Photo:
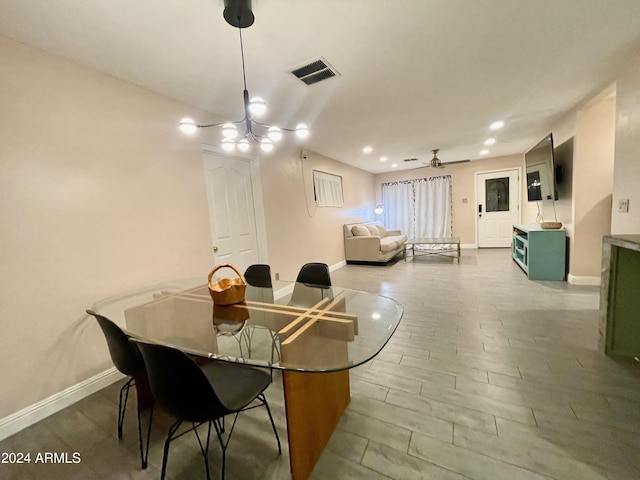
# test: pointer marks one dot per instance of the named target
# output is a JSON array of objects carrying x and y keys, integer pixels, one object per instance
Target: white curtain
[
  {"x": 420, "y": 208},
  {"x": 397, "y": 198},
  {"x": 328, "y": 189},
  {"x": 433, "y": 207}
]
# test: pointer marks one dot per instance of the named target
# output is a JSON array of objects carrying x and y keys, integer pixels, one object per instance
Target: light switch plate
[{"x": 623, "y": 205}]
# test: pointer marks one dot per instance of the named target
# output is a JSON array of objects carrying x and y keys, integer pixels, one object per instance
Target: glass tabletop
[{"x": 297, "y": 327}]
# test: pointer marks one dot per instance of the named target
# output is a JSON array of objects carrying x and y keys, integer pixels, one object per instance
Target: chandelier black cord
[{"x": 244, "y": 18}]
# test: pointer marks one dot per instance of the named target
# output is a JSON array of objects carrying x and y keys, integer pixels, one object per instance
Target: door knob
[{"x": 215, "y": 249}]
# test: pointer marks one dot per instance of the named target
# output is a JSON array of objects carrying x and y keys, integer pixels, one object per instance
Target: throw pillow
[
  {"x": 360, "y": 231},
  {"x": 382, "y": 230},
  {"x": 374, "y": 230}
]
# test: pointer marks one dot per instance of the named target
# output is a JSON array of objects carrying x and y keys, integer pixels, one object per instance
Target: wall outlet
[
  {"x": 623, "y": 205},
  {"x": 277, "y": 276}
]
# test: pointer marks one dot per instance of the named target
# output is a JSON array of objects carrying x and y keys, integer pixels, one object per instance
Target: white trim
[
  {"x": 34, "y": 413},
  {"x": 583, "y": 280},
  {"x": 283, "y": 292},
  {"x": 469, "y": 246},
  {"x": 258, "y": 207},
  {"x": 338, "y": 265}
]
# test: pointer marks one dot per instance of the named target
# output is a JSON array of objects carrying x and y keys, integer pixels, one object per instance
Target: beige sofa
[{"x": 370, "y": 242}]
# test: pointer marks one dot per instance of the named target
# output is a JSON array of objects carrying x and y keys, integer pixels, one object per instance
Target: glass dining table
[{"x": 313, "y": 334}]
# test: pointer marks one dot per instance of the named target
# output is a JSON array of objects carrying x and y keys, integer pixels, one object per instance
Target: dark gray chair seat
[{"x": 202, "y": 393}]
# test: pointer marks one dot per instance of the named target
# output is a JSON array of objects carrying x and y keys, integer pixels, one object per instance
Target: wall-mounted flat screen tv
[{"x": 539, "y": 164}]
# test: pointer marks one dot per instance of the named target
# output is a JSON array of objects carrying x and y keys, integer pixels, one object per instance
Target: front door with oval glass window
[{"x": 497, "y": 206}]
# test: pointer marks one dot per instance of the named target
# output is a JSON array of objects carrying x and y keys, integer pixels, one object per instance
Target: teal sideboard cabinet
[
  {"x": 620, "y": 296},
  {"x": 540, "y": 253}
]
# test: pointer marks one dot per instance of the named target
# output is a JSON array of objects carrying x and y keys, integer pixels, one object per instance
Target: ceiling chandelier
[{"x": 237, "y": 13}]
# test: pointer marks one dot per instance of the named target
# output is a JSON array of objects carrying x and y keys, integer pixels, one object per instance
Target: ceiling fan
[{"x": 435, "y": 162}]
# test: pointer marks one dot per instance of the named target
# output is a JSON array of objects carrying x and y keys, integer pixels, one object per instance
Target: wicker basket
[
  {"x": 227, "y": 291},
  {"x": 551, "y": 225}
]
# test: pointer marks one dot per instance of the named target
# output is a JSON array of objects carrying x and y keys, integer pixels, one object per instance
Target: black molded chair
[
  {"x": 202, "y": 393},
  {"x": 258, "y": 275},
  {"x": 316, "y": 274},
  {"x": 312, "y": 285},
  {"x": 127, "y": 359}
]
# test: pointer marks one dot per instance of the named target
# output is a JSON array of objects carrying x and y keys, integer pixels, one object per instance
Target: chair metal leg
[
  {"x": 218, "y": 423},
  {"x": 273, "y": 425},
  {"x": 165, "y": 456},
  {"x": 122, "y": 406},
  {"x": 223, "y": 445},
  {"x": 144, "y": 451},
  {"x": 205, "y": 449}
]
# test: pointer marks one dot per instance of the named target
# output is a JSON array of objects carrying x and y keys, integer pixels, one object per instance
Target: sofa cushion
[
  {"x": 373, "y": 229},
  {"x": 360, "y": 231},
  {"x": 382, "y": 230},
  {"x": 387, "y": 244}
]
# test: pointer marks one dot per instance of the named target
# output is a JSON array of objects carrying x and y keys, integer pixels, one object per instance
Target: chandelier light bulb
[
  {"x": 245, "y": 132},
  {"x": 229, "y": 130},
  {"x": 302, "y": 130},
  {"x": 188, "y": 126},
  {"x": 274, "y": 133},
  {"x": 243, "y": 145},
  {"x": 266, "y": 145},
  {"x": 257, "y": 106},
  {"x": 228, "y": 145}
]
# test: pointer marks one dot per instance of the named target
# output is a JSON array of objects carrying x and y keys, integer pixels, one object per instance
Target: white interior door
[
  {"x": 231, "y": 210},
  {"x": 498, "y": 207}
]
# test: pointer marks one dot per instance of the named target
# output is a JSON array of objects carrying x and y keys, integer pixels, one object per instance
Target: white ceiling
[{"x": 414, "y": 74}]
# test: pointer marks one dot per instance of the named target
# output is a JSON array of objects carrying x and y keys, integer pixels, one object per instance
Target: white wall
[
  {"x": 626, "y": 171},
  {"x": 298, "y": 231},
  {"x": 99, "y": 192}
]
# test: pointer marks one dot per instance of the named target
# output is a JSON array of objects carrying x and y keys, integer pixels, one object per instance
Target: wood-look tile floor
[{"x": 489, "y": 376}]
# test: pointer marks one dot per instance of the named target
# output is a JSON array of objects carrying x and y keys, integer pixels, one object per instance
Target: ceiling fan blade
[{"x": 456, "y": 161}]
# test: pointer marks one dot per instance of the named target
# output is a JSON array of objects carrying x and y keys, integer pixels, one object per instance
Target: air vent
[
  {"x": 315, "y": 71},
  {"x": 410, "y": 160}
]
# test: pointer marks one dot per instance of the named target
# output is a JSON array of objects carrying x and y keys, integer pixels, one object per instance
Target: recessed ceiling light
[
  {"x": 394, "y": 165},
  {"x": 383, "y": 159},
  {"x": 367, "y": 149},
  {"x": 490, "y": 141},
  {"x": 496, "y": 125},
  {"x": 484, "y": 152}
]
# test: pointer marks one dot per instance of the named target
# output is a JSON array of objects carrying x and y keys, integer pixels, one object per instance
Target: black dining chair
[
  {"x": 197, "y": 394},
  {"x": 316, "y": 274},
  {"x": 258, "y": 275},
  {"x": 127, "y": 359},
  {"x": 312, "y": 285}
]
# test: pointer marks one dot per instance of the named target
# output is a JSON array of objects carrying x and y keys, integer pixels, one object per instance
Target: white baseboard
[
  {"x": 338, "y": 265},
  {"x": 577, "y": 280},
  {"x": 283, "y": 292},
  {"x": 468, "y": 245},
  {"x": 34, "y": 413}
]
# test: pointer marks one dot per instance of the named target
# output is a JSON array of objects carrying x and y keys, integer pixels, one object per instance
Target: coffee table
[{"x": 434, "y": 249}]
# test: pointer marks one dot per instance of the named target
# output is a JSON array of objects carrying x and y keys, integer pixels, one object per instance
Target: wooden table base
[{"x": 314, "y": 403}]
